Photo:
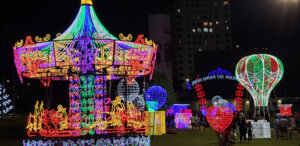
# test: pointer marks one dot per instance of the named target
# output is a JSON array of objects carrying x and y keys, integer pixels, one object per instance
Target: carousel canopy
[{"x": 86, "y": 47}]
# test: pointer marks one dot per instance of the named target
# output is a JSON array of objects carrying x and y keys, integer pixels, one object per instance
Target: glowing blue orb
[{"x": 156, "y": 97}]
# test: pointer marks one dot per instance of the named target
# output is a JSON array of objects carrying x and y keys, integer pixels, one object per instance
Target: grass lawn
[{"x": 209, "y": 138}]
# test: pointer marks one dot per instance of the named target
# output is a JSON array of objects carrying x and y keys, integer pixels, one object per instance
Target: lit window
[
  {"x": 225, "y": 3},
  {"x": 194, "y": 30},
  {"x": 210, "y": 30},
  {"x": 179, "y": 42},
  {"x": 200, "y": 49},
  {"x": 199, "y": 30},
  {"x": 217, "y": 22},
  {"x": 227, "y": 28},
  {"x": 205, "y": 29},
  {"x": 205, "y": 23},
  {"x": 210, "y": 23},
  {"x": 178, "y": 10}
]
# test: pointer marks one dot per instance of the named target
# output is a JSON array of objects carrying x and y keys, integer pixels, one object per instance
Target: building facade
[{"x": 198, "y": 26}]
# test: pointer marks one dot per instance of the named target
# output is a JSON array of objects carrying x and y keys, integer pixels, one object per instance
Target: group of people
[
  {"x": 197, "y": 122},
  {"x": 229, "y": 135},
  {"x": 170, "y": 120},
  {"x": 284, "y": 127}
]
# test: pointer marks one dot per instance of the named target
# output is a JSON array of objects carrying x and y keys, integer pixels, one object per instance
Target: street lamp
[
  {"x": 279, "y": 101},
  {"x": 247, "y": 102}
]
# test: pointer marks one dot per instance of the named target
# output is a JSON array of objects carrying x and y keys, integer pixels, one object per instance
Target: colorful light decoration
[
  {"x": 158, "y": 122},
  {"x": 259, "y": 74},
  {"x": 222, "y": 74},
  {"x": 139, "y": 102},
  {"x": 219, "y": 71},
  {"x": 183, "y": 119},
  {"x": 85, "y": 47},
  {"x": 128, "y": 92},
  {"x": 182, "y": 115},
  {"x": 219, "y": 118},
  {"x": 6, "y": 104},
  {"x": 238, "y": 97},
  {"x": 60, "y": 124},
  {"x": 86, "y": 55},
  {"x": 218, "y": 101},
  {"x": 156, "y": 97},
  {"x": 138, "y": 140},
  {"x": 285, "y": 109}
]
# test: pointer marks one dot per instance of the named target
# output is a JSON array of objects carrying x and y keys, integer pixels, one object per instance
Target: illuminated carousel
[{"x": 86, "y": 55}]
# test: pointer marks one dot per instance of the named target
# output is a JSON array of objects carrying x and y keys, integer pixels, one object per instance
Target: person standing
[
  {"x": 292, "y": 127},
  {"x": 284, "y": 123},
  {"x": 193, "y": 122},
  {"x": 276, "y": 127},
  {"x": 234, "y": 125},
  {"x": 197, "y": 120},
  {"x": 249, "y": 130},
  {"x": 243, "y": 129},
  {"x": 172, "y": 120}
]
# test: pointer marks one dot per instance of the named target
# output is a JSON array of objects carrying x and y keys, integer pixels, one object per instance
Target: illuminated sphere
[
  {"x": 132, "y": 90},
  {"x": 156, "y": 97},
  {"x": 259, "y": 74},
  {"x": 139, "y": 102},
  {"x": 218, "y": 101}
]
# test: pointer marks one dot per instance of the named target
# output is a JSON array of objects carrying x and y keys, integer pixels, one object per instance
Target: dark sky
[{"x": 255, "y": 23}]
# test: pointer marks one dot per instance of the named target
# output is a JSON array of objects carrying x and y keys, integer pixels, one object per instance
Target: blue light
[
  {"x": 189, "y": 85},
  {"x": 231, "y": 106},
  {"x": 156, "y": 97},
  {"x": 219, "y": 71}
]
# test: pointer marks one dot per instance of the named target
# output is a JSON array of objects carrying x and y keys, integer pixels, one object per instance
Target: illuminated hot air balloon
[{"x": 259, "y": 74}]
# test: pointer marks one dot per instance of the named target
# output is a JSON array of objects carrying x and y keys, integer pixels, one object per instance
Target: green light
[{"x": 259, "y": 74}]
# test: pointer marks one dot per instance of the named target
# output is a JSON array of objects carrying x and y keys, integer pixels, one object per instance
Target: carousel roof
[
  {"x": 86, "y": 25},
  {"x": 86, "y": 47}
]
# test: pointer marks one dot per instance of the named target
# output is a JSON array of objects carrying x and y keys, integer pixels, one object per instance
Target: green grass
[{"x": 209, "y": 138}]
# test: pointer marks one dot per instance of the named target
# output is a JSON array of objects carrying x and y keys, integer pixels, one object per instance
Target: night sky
[{"x": 255, "y": 24}]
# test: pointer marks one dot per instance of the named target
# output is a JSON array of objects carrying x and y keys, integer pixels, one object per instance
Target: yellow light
[
  {"x": 159, "y": 122},
  {"x": 247, "y": 102},
  {"x": 34, "y": 122},
  {"x": 205, "y": 23},
  {"x": 86, "y": 2},
  {"x": 225, "y": 3},
  {"x": 279, "y": 101}
]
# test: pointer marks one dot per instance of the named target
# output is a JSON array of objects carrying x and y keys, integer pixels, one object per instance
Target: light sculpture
[
  {"x": 218, "y": 101},
  {"x": 156, "y": 97},
  {"x": 128, "y": 92},
  {"x": 6, "y": 103},
  {"x": 86, "y": 55},
  {"x": 183, "y": 120},
  {"x": 139, "y": 102},
  {"x": 58, "y": 123},
  {"x": 285, "y": 109},
  {"x": 85, "y": 47},
  {"x": 259, "y": 74},
  {"x": 156, "y": 125},
  {"x": 219, "y": 118},
  {"x": 138, "y": 140}
]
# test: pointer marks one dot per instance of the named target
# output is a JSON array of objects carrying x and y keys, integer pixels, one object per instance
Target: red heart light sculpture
[{"x": 219, "y": 118}]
